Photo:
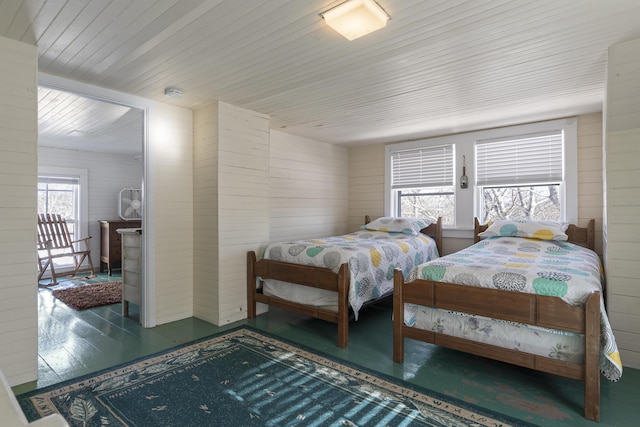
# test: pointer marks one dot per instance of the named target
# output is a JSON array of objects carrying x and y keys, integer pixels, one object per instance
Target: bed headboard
[
  {"x": 477, "y": 229},
  {"x": 583, "y": 236},
  {"x": 434, "y": 230}
]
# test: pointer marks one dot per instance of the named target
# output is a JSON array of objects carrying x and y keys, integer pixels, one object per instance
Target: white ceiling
[
  {"x": 72, "y": 122},
  {"x": 439, "y": 67}
]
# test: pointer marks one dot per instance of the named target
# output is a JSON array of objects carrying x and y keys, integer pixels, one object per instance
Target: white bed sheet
[
  {"x": 301, "y": 294},
  {"x": 560, "y": 345}
]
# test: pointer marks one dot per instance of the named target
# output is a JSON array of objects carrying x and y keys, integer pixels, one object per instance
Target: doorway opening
[{"x": 89, "y": 150}]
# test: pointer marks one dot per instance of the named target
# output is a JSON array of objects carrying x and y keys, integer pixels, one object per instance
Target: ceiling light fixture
[
  {"x": 173, "y": 92},
  {"x": 355, "y": 18}
]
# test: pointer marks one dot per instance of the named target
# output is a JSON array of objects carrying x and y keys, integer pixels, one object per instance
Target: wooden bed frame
[
  {"x": 315, "y": 277},
  {"x": 545, "y": 311}
]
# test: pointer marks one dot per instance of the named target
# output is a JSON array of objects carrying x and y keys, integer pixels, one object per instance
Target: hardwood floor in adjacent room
[{"x": 74, "y": 343}]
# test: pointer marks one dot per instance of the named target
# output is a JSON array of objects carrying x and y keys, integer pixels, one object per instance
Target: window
[
  {"x": 422, "y": 183},
  {"x": 520, "y": 177},
  {"x": 517, "y": 171},
  {"x": 60, "y": 195}
]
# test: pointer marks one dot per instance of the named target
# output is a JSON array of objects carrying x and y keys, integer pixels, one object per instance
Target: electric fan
[{"x": 130, "y": 201}]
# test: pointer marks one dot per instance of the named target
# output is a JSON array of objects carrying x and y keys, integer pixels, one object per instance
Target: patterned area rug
[
  {"x": 249, "y": 378},
  {"x": 88, "y": 296}
]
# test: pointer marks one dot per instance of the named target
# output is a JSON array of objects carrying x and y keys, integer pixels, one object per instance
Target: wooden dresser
[{"x": 111, "y": 243}]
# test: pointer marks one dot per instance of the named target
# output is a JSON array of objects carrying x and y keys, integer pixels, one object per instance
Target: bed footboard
[
  {"x": 315, "y": 277},
  {"x": 545, "y": 311}
]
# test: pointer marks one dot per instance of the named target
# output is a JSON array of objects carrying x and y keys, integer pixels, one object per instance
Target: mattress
[
  {"x": 372, "y": 257},
  {"x": 544, "y": 267}
]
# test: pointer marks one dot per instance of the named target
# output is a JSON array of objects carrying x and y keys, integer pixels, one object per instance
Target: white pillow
[
  {"x": 398, "y": 225},
  {"x": 534, "y": 229}
]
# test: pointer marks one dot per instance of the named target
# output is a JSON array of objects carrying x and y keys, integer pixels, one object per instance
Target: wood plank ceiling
[{"x": 439, "y": 67}]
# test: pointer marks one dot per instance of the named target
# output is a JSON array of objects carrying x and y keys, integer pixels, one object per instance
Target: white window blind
[
  {"x": 422, "y": 167},
  {"x": 527, "y": 159}
]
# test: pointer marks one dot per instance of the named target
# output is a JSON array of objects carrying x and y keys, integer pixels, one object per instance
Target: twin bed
[
  {"x": 526, "y": 296},
  {"x": 341, "y": 274},
  {"x": 534, "y": 302}
]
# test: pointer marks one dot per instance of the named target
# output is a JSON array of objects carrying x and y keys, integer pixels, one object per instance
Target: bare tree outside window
[
  {"x": 527, "y": 202},
  {"x": 428, "y": 203},
  {"x": 58, "y": 198}
]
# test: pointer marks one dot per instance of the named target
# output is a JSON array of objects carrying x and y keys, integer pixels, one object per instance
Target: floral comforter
[
  {"x": 553, "y": 268},
  {"x": 372, "y": 256}
]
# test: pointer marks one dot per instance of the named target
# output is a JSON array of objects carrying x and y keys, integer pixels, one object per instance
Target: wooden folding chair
[{"x": 54, "y": 242}]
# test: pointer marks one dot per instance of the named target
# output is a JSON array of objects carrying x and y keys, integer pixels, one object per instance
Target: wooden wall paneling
[
  {"x": 366, "y": 183},
  {"x": 622, "y": 208},
  {"x": 243, "y": 200},
  {"x": 205, "y": 213},
  {"x": 170, "y": 207},
  {"x": 18, "y": 166},
  {"x": 308, "y": 188}
]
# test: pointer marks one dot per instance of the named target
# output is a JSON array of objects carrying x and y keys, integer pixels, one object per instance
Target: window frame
[
  {"x": 82, "y": 175},
  {"x": 468, "y": 203},
  {"x": 532, "y": 160},
  {"x": 409, "y": 181},
  {"x": 74, "y": 182},
  {"x": 398, "y": 195}
]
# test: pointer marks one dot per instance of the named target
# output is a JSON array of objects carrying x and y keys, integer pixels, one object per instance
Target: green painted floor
[{"x": 73, "y": 343}]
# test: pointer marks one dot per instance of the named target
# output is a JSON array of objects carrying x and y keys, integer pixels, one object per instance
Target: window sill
[{"x": 457, "y": 233}]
